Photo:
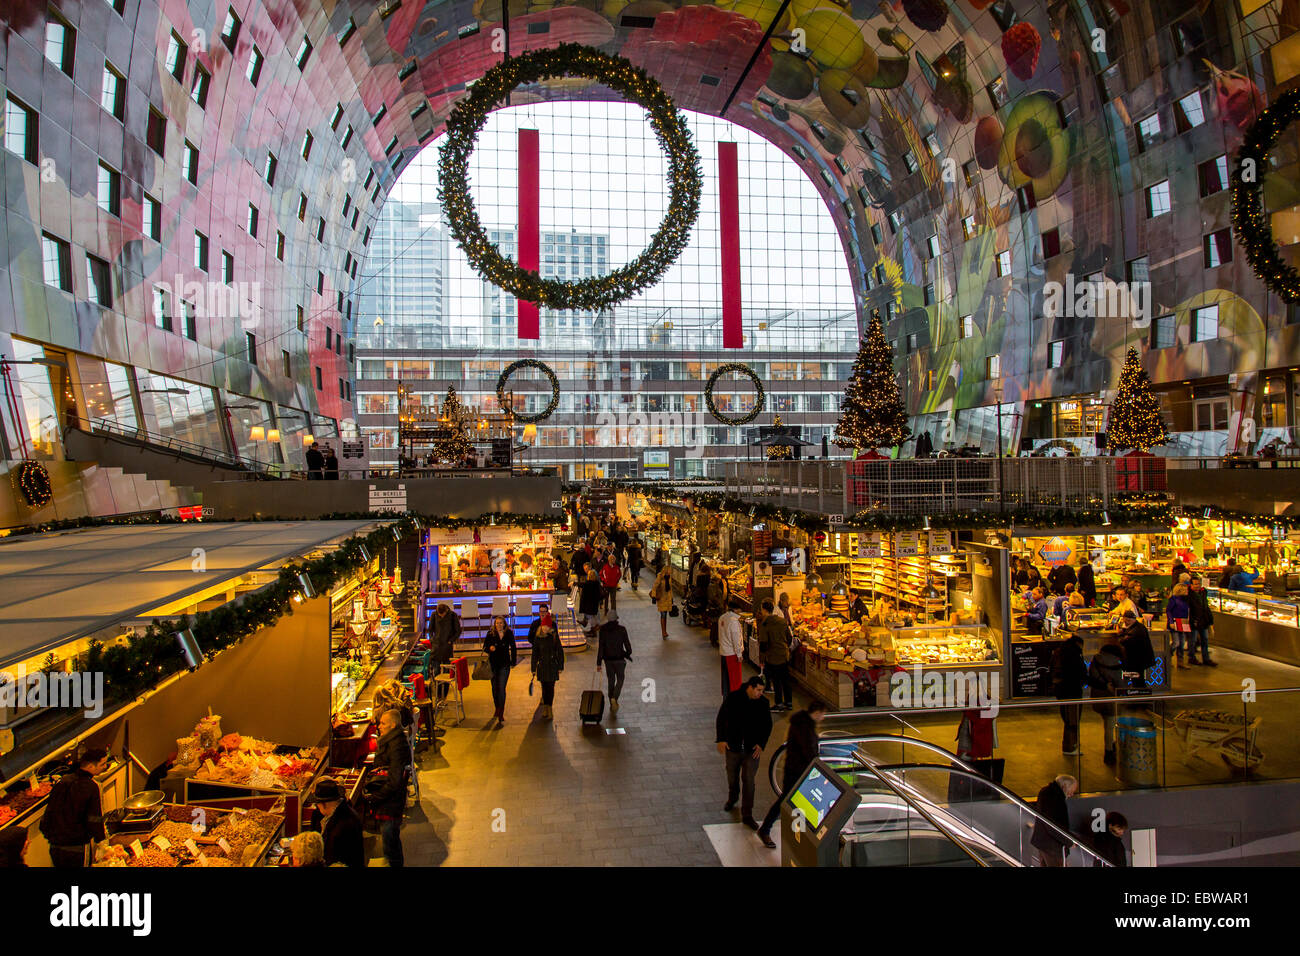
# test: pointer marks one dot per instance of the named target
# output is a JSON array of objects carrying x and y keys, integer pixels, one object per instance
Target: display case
[
  {"x": 1257, "y": 625},
  {"x": 944, "y": 645}
]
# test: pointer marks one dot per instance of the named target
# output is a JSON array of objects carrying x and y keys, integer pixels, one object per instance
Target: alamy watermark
[
  {"x": 653, "y": 429},
  {"x": 216, "y": 300},
  {"x": 74, "y": 690},
  {"x": 928, "y": 689},
  {"x": 1102, "y": 299}
]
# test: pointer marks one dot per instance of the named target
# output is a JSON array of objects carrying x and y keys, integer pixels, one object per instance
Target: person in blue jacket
[
  {"x": 1037, "y": 612},
  {"x": 1242, "y": 580}
]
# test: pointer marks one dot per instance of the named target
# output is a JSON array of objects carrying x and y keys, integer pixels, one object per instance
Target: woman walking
[
  {"x": 547, "y": 663},
  {"x": 589, "y": 602},
  {"x": 1177, "y": 613},
  {"x": 502, "y": 654},
  {"x": 662, "y": 595}
]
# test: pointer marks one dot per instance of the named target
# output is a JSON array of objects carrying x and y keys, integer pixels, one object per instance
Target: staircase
[{"x": 87, "y": 489}]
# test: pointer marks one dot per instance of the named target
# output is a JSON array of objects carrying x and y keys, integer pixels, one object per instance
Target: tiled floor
[{"x": 555, "y": 792}]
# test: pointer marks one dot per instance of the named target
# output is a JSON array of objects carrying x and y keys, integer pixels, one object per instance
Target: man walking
[
  {"x": 1200, "y": 619},
  {"x": 731, "y": 650},
  {"x": 614, "y": 649},
  {"x": 800, "y": 751},
  {"x": 774, "y": 641},
  {"x": 1069, "y": 674},
  {"x": 744, "y": 723}
]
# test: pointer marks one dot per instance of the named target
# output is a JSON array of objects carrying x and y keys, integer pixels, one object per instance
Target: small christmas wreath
[
  {"x": 545, "y": 370},
  {"x": 1249, "y": 219},
  {"x": 636, "y": 86},
  {"x": 760, "y": 399},
  {"x": 34, "y": 484}
]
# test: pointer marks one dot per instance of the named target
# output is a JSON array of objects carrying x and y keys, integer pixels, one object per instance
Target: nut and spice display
[
  {"x": 21, "y": 799},
  {"x": 195, "y": 836},
  {"x": 244, "y": 761}
]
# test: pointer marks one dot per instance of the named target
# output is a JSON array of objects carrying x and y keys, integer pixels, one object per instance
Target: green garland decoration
[
  {"x": 545, "y": 370},
  {"x": 636, "y": 86},
  {"x": 34, "y": 484},
  {"x": 760, "y": 399},
  {"x": 1249, "y": 220}
]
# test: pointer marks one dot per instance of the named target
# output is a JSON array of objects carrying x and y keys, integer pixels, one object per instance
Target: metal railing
[{"x": 180, "y": 446}]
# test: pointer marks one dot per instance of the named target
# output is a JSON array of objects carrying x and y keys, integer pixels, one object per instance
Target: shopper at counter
[
  {"x": 1135, "y": 639},
  {"x": 74, "y": 816},
  {"x": 1061, "y": 577},
  {"x": 731, "y": 650},
  {"x": 743, "y": 726},
  {"x": 1052, "y": 805},
  {"x": 1177, "y": 611},
  {"x": 1087, "y": 582},
  {"x": 774, "y": 645},
  {"x": 801, "y": 749},
  {"x": 1105, "y": 678},
  {"x": 1201, "y": 620},
  {"x": 615, "y": 650},
  {"x": 1069, "y": 674},
  {"x": 1120, "y": 604},
  {"x": 339, "y": 825},
  {"x": 14, "y": 842},
  {"x": 502, "y": 654},
  {"x": 1243, "y": 580},
  {"x": 386, "y": 793},
  {"x": 1037, "y": 612}
]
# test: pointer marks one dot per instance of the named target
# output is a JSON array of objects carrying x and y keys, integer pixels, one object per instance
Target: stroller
[{"x": 696, "y": 610}]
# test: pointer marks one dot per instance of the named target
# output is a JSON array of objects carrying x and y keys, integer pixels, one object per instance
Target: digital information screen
[{"x": 815, "y": 796}]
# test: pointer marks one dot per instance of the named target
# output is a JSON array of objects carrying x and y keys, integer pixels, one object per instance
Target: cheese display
[{"x": 840, "y": 640}]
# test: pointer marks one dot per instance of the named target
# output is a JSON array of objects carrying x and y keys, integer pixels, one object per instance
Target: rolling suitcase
[{"x": 591, "y": 709}]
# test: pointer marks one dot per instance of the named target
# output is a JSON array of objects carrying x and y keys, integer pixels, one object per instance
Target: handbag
[
  {"x": 482, "y": 670},
  {"x": 673, "y": 611}
]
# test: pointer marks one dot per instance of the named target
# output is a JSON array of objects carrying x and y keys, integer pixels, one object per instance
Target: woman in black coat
[
  {"x": 1087, "y": 583},
  {"x": 502, "y": 654},
  {"x": 589, "y": 599}
]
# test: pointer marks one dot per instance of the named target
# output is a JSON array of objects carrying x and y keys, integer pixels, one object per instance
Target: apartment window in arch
[
  {"x": 1218, "y": 248},
  {"x": 20, "y": 130},
  {"x": 199, "y": 86},
  {"x": 251, "y": 341},
  {"x": 1056, "y": 354},
  {"x": 112, "y": 95},
  {"x": 177, "y": 51},
  {"x": 56, "y": 260},
  {"x": 993, "y": 367},
  {"x": 1189, "y": 112},
  {"x": 255, "y": 61},
  {"x": 200, "y": 251},
  {"x": 1004, "y": 263},
  {"x": 1158, "y": 201},
  {"x": 99, "y": 281},
  {"x": 109, "y": 190},
  {"x": 230, "y": 29},
  {"x": 1205, "y": 323},
  {"x": 191, "y": 161},
  {"x": 1212, "y": 175},
  {"x": 161, "y": 313},
  {"x": 966, "y": 326},
  {"x": 60, "y": 43}
]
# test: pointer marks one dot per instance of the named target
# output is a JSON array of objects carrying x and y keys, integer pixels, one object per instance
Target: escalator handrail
[
  {"x": 1001, "y": 790},
  {"x": 939, "y": 827}
]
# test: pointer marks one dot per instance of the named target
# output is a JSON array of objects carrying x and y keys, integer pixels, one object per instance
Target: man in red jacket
[{"x": 610, "y": 575}]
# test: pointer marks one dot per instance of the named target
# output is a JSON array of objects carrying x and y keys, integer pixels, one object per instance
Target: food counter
[
  {"x": 1254, "y": 624},
  {"x": 1031, "y": 654},
  {"x": 194, "y": 835}
]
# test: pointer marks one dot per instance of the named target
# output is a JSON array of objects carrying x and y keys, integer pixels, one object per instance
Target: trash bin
[{"x": 1135, "y": 744}]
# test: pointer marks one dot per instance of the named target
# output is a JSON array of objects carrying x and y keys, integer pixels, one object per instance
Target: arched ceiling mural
[{"x": 970, "y": 151}]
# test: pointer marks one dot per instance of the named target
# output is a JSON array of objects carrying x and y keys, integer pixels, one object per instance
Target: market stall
[{"x": 153, "y": 834}]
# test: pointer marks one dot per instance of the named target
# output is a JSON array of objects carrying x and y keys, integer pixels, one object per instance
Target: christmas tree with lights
[
  {"x": 452, "y": 445},
  {"x": 1135, "y": 420},
  {"x": 872, "y": 414}
]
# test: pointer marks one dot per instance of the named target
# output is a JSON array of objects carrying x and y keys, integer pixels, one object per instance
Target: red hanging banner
[
  {"x": 733, "y": 336},
  {"x": 530, "y": 224}
]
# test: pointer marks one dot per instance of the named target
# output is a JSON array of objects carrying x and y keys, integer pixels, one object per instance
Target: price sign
[
  {"x": 162, "y": 843},
  {"x": 137, "y": 849},
  {"x": 225, "y": 847},
  {"x": 869, "y": 545},
  {"x": 907, "y": 544},
  {"x": 192, "y": 847},
  {"x": 941, "y": 542},
  {"x": 209, "y": 766}
]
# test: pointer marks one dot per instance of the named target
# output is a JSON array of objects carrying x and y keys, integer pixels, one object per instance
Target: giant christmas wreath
[
  {"x": 636, "y": 86},
  {"x": 1249, "y": 219},
  {"x": 34, "y": 484},
  {"x": 760, "y": 398},
  {"x": 545, "y": 370}
]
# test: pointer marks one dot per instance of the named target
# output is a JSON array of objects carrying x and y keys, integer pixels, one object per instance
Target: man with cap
[
  {"x": 613, "y": 648},
  {"x": 340, "y": 826}
]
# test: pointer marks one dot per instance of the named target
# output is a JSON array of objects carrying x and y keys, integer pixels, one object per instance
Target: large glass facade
[{"x": 633, "y": 371}]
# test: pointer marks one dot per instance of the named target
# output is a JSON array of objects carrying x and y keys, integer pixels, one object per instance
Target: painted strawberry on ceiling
[{"x": 688, "y": 44}]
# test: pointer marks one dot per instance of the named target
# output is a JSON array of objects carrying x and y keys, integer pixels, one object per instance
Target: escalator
[{"x": 935, "y": 811}]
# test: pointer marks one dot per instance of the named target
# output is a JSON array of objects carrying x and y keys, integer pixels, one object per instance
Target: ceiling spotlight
[
  {"x": 189, "y": 648},
  {"x": 1207, "y": 511},
  {"x": 365, "y": 554},
  {"x": 927, "y": 522},
  {"x": 1105, "y": 518},
  {"x": 308, "y": 590}
]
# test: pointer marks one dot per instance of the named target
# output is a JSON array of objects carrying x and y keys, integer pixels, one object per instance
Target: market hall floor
[{"x": 555, "y": 793}]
